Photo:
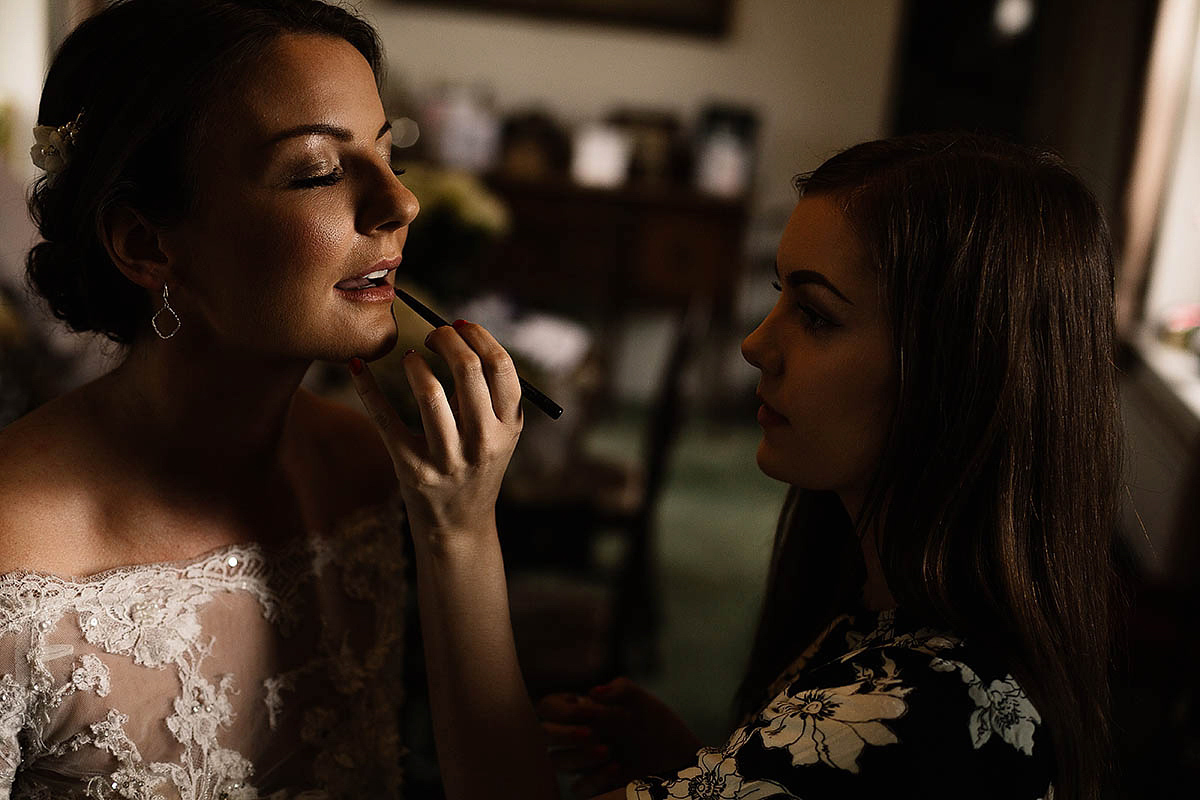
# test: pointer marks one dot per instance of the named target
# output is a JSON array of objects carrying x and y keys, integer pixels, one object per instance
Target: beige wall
[
  {"x": 818, "y": 71},
  {"x": 24, "y": 31}
]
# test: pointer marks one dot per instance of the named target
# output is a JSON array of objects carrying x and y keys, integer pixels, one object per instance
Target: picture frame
[{"x": 704, "y": 18}]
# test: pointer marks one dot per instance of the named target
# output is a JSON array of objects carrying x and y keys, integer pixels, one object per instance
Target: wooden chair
[{"x": 577, "y": 621}]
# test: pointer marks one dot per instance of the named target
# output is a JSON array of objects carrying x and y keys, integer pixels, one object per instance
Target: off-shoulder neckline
[
  {"x": 254, "y": 547},
  {"x": 219, "y": 553}
]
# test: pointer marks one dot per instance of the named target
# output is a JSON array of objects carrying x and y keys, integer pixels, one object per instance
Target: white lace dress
[{"x": 249, "y": 672}]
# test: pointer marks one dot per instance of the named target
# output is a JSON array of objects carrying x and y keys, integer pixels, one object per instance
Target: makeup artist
[
  {"x": 938, "y": 389},
  {"x": 200, "y": 578}
]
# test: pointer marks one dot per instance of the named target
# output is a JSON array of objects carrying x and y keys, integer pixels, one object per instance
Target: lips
[
  {"x": 370, "y": 279},
  {"x": 769, "y": 417}
]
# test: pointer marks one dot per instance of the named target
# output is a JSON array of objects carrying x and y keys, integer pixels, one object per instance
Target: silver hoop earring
[{"x": 166, "y": 306}]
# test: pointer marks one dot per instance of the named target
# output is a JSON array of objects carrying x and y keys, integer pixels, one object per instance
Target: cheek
[
  {"x": 260, "y": 252},
  {"x": 290, "y": 235},
  {"x": 262, "y": 270},
  {"x": 838, "y": 421}
]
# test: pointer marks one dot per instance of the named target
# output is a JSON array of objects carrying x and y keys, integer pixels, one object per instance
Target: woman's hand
[
  {"x": 613, "y": 734},
  {"x": 489, "y": 742},
  {"x": 450, "y": 476}
]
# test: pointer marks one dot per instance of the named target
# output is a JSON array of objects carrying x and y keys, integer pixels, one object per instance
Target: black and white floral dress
[{"x": 878, "y": 708}]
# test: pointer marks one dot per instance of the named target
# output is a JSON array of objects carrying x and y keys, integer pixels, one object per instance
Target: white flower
[
  {"x": 715, "y": 778},
  {"x": 50, "y": 150},
  {"x": 1003, "y": 709},
  {"x": 832, "y": 725},
  {"x": 53, "y": 144}
]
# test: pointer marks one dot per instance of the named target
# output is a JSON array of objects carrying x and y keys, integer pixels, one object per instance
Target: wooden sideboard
[{"x": 600, "y": 253}]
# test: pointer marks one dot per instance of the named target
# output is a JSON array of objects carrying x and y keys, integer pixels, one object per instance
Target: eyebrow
[
  {"x": 802, "y": 277},
  {"x": 323, "y": 129}
]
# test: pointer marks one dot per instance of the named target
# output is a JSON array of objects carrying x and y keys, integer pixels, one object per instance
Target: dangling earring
[{"x": 166, "y": 306}]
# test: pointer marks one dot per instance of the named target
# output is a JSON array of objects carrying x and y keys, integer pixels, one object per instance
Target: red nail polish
[
  {"x": 458, "y": 323},
  {"x": 356, "y": 366},
  {"x": 409, "y": 351}
]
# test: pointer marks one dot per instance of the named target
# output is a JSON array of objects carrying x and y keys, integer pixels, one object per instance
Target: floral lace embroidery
[
  {"x": 162, "y": 629},
  {"x": 91, "y": 674}
]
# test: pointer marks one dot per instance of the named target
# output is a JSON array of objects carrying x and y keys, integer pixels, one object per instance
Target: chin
[
  {"x": 792, "y": 468},
  {"x": 381, "y": 348},
  {"x": 366, "y": 347},
  {"x": 768, "y": 464}
]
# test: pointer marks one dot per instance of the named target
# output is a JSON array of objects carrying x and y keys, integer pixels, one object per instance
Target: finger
[
  {"x": 579, "y": 759},
  {"x": 498, "y": 369},
  {"x": 617, "y": 691},
  {"x": 405, "y": 449},
  {"x": 565, "y": 707},
  {"x": 442, "y": 440},
  {"x": 559, "y": 735},
  {"x": 470, "y": 386}
]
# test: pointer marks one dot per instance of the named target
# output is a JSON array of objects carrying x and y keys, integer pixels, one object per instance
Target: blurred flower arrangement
[
  {"x": 6, "y": 127},
  {"x": 450, "y": 238},
  {"x": 459, "y": 222}
]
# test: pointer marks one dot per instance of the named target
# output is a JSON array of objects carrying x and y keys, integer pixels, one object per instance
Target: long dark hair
[
  {"x": 146, "y": 75},
  {"x": 996, "y": 497}
]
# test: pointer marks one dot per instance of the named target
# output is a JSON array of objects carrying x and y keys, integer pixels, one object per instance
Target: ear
[{"x": 135, "y": 246}]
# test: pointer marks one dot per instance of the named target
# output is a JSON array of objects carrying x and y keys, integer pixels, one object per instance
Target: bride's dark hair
[
  {"x": 997, "y": 493},
  {"x": 147, "y": 75}
]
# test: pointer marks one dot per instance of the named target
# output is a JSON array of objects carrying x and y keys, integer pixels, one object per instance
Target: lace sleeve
[{"x": 14, "y": 699}]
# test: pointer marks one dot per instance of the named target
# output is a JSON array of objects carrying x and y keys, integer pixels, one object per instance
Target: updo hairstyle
[{"x": 146, "y": 75}]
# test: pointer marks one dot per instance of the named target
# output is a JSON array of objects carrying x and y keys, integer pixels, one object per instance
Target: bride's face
[{"x": 294, "y": 195}]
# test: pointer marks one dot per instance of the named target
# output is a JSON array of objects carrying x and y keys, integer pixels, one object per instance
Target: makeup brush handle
[{"x": 535, "y": 396}]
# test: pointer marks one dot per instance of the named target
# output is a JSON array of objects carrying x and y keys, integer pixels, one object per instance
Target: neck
[
  {"x": 199, "y": 417},
  {"x": 876, "y": 595}
]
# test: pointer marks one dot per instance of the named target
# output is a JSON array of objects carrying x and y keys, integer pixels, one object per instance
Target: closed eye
[{"x": 328, "y": 179}]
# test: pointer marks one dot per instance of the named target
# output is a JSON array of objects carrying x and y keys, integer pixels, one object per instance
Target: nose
[
  {"x": 755, "y": 347},
  {"x": 389, "y": 205}
]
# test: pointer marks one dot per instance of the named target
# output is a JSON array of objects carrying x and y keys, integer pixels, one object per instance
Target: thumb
[{"x": 401, "y": 444}]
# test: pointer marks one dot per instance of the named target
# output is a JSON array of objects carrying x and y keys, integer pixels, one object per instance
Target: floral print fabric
[{"x": 877, "y": 708}]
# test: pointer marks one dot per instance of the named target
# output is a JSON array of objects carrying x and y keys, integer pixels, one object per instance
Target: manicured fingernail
[
  {"x": 409, "y": 351},
  {"x": 458, "y": 323},
  {"x": 356, "y": 366}
]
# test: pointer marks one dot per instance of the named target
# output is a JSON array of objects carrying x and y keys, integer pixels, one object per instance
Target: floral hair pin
[{"x": 53, "y": 144}]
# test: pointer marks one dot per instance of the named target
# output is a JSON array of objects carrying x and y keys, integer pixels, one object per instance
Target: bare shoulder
[
  {"x": 353, "y": 460},
  {"x": 46, "y": 510}
]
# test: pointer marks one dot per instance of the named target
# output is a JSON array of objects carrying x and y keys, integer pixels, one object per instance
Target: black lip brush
[{"x": 530, "y": 392}]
